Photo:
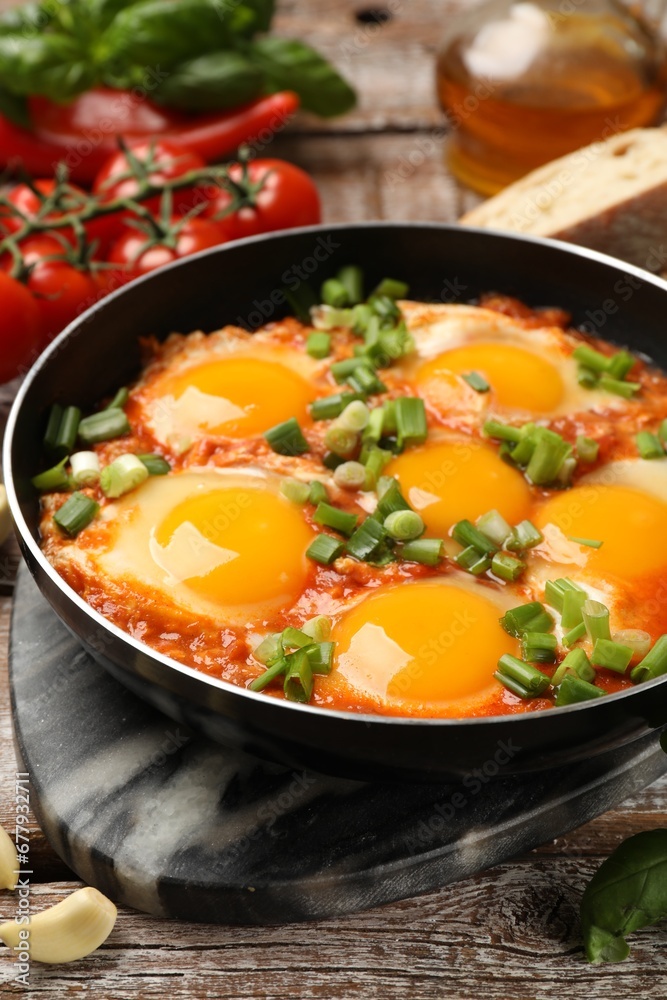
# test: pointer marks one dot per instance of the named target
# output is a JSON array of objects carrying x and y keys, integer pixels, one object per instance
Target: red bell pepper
[{"x": 83, "y": 134}]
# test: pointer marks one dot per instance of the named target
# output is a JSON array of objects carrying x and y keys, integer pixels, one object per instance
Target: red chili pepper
[{"x": 83, "y": 134}]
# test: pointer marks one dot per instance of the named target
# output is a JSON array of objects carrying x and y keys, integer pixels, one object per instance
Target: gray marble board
[{"x": 177, "y": 826}]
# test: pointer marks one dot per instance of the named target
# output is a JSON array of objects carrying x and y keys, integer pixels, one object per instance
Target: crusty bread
[{"x": 609, "y": 196}]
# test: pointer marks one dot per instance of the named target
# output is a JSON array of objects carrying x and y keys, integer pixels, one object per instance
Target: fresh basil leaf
[
  {"x": 14, "y": 108},
  {"x": 291, "y": 65},
  {"x": 49, "y": 64},
  {"x": 627, "y": 892},
  {"x": 215, "y": 81}
]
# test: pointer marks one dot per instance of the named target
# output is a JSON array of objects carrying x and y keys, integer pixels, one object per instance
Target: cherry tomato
[
  {"x": 131, "y": 254},
  {"x": 19, "y": 328},
  {"x": 170, "y": 160},
  {"x": 288, "y": 198}
]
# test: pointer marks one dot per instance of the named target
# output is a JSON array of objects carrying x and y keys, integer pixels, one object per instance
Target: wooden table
[{"x": 509, "y": 934}]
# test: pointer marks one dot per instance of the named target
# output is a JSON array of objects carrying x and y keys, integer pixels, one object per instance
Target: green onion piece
[
  {"x": 53, "y": 479},
  {"x": 507, "y": 567},
  {"x": 341, "y": 370},
  {"x": 472, "y": 561},
  {"x": 502, "y": 432},
  {"x": 327, "y": 318},
  {"x": 124, "y": 474},
  {"x": 411, "y": 426},
  {"x": 574, "y": 635},
  {"x": 495, "y": 527},
  {"x": 620, "y": 364},
  {"x": 596, "y": 619},
  {"x": 397, "y": 342},
  {"x": 294, "y": 638},
  {"x": 385, "y": 309},
  {"x": 324, "y": 549},
  {"x": 572, "y": 690},
  {"x": 362, "y": 316},
  {"x": 333, "y": 517},
  {"x": 637, "y": 639},
  {"x": 67, "y": 431},
  {"x": 662, "y": 432},
  {"x": 427, "y": 551},
  {"x": 592, "y": 359},
  {"x": 52, "y": 427},
  {"x": 85, "y": 468},
  {"x": 156, "y": 464},
  {"x": 575, "y": 662},
  {"x": 276, "y": 669},
  {"x": 374, "y": 427},
  {"x": 566, "y": 470},
  {"x": 334, "y": 293},
  {"x": 547, "y": 458},
  {"x": 298, "y": 684},
  {"x": 340, "y": 440},
  {"x": 465, "y": 533},
  {"x": 587, "y": 449},
  {"x": 611, "y": 655},
  {"x": 649, "y": 445},
  {"x": 355, "y": 416},
  {"x": 301, "y": 299},
  {"x": 404, "y": 525},
  {"x": 103, "y": 426},
  {"x": 120, "y": 400},
  {"x": 390, "y": 499},
  {"x": 524, "y": 673},
  {"x": 538, "y": 647},
  {"x": 318, "y": 344},
  {"x": 374, "y": 461},
  {"x": 295, "y": 491},
  {"x": 392, "y": 289},
  {"x": 330, "y": 407},
  {"x": 389, "y": 422},
  {"x": 555, "y": 590},
  {"x": 364, "y": 381},
  {"x": 332, "y": 461},
  {"x": 320, "y": 656},
  {"x": 591, "y": 543},
  {"x": 76, "y": 513},
  {"x": 287, "y": 438},
  {"x": 350, "y": 476},
  {"x": 531, "y": 617},
  {"x": 573, "y": 603},
  {"x": 317, "y": 492},
  {"x": 514, "y": 686},
  {"x": 586, "y": 377},
  {"x": 365, "y": 542},
  {"x": 654, "y": 663},
  {"x": 625, "y": 389},
  {"x": 522, "y": 452},
  {"x": 318, "y": 628},
  {"x": 270, "y": 649},
  {"x": 352, "y": 279},
  {"x": 523, "y": 536},
  {"x": 476, "y": 381}
]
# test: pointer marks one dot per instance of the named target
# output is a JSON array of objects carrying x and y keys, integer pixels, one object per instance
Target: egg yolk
[
  {"x": 631, "y": 525},
  {"x": 239, "y": 545},
  {"x": 519, "y": 379},
  {"x": 452, "y": 480},
  {"x": 422, "y": 642},
  {"x": 237, "y": 396}
]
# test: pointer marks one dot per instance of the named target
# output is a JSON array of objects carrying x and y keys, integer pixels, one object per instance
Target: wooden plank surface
[{"x": 508, "y": 934}]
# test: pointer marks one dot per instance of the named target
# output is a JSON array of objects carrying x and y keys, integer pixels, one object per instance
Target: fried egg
[{"x": 200, "y": 537}]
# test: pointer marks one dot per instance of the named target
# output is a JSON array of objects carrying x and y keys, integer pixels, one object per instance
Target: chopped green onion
[
  {"x": 332, "y": 461},
  {"x": 637, "y": 639},
  {"x": 298, "y": 684},
  {"x": 294, "y": 638},
  {"x": 270, "y": 649},
  {"x": 318, "y": 628},
  {"x": 276, "y": 669},
  {"x": 411, "y": 426},
  {"x": 502, "y": 432},
  {"x": 355, "y": 416},
  {"x": 572, "y": 690},
  {"x": 523, "y": 673},
  {"x": 522, "y": 452},
  {"x": 295, "y": 491},
  {"x": 385, "y": 309},
  {"x": 103, "y": 426},
  {"x": 538, "y": 647},
  {"x": 374, "y": 426},
  {"x": 352, "y": 279},
  {"x": 473, "y": 561},
  {"x": 587, "y": 449},
  {"x": 397, "y": 342},
  {"x": 547, "y": 459},
  {"x": 341, "y": 370},
  {"x": 350, "y": 475},
  {"x": 327, "y": 318},
  {"x": 611, "y": 655},
  {"x": 566, "y": 470},
  {"x": 364, "y": 381},
  {"x": 287, "y": 438},
  {"x": 333, "y": 517},
  {"x": 334, "y": 293},
  {"x": 53, "y": 479},
  {"x": 156, "y": 464},
  {"x": 320, "y": 656},
  {"x": 574, "y": 635},
  {"x": 524, "y": 536},
  {"x": 317, "y": 492},
  {"x": 620, "y": 364},
  {"x": 649, "y": 445},
  {"x": 662, "y": 432},
  {"x": 374, "y": 462},
  {"x": 476, "y": 381},
  {"x": 555, "y": 590},
  {"x": 427, "y": 551},
  {"x": 390, "y": 499},
  {"x": 506, "y": 567},
  {"x": 514, "y": 686},
  {"x": 654, "y": 663},
  {"x": 495, "y": 527},
  {"x": 318, "y": 344},
  {"x": 85, "y": 468},
  {"x": 531, "y": 617},
  {"x": 596, "y": 619},
  {"x": 366, "y": 540},
  {"x": 591, "y": 543},
  {"x": 52, "y": 427},
  {"x": 302, "y": 299},
  {"x": 575, "y": 662},
  {"x": 404, "y": 525},
  {"x": 625, "y": 389},
  {"x": 362, "y": 316},
  {"x": 330, "y": 407},
  {"x": 586, "y": 377},
  {"x": 124, "y": 474},
  {"x": 120, "y": 400},
  {"x": 392, "y": 289},
  {"x": 70, "y": 423},
  {"x": 592, "y": 359},
  {"x": 76, "y": 513},
  {"x": 324, "y": 549},
  {"x": 572, "y": 614},
  {"x": 465, "y": 533},
  {"x": 340, "y": 440}
]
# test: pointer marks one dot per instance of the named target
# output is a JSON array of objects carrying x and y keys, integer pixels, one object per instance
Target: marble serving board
[{"x": 170, "y": 823}]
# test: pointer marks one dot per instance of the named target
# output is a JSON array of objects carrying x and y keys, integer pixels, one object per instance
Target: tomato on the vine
[
  {"x": 165, "y": 162},
  {"x": 287, "y": 198},
  {"x": 136, "y": 253},
  {"x": 19, "y": 328}
]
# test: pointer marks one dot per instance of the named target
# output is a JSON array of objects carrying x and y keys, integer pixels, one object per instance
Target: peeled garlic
[
  {"x": 9, "y": 861},
  {"x": 5, "y": 516},
  {"x": 67, "y": 931}
]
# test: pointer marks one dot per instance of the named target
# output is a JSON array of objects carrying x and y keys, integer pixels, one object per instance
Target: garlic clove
[
  {"x": 9, "y": 861},
  {"x": 66, "y": 932}
]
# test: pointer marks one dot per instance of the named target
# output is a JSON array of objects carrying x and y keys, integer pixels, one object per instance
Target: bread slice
[{"x": 609, "y": 196}]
